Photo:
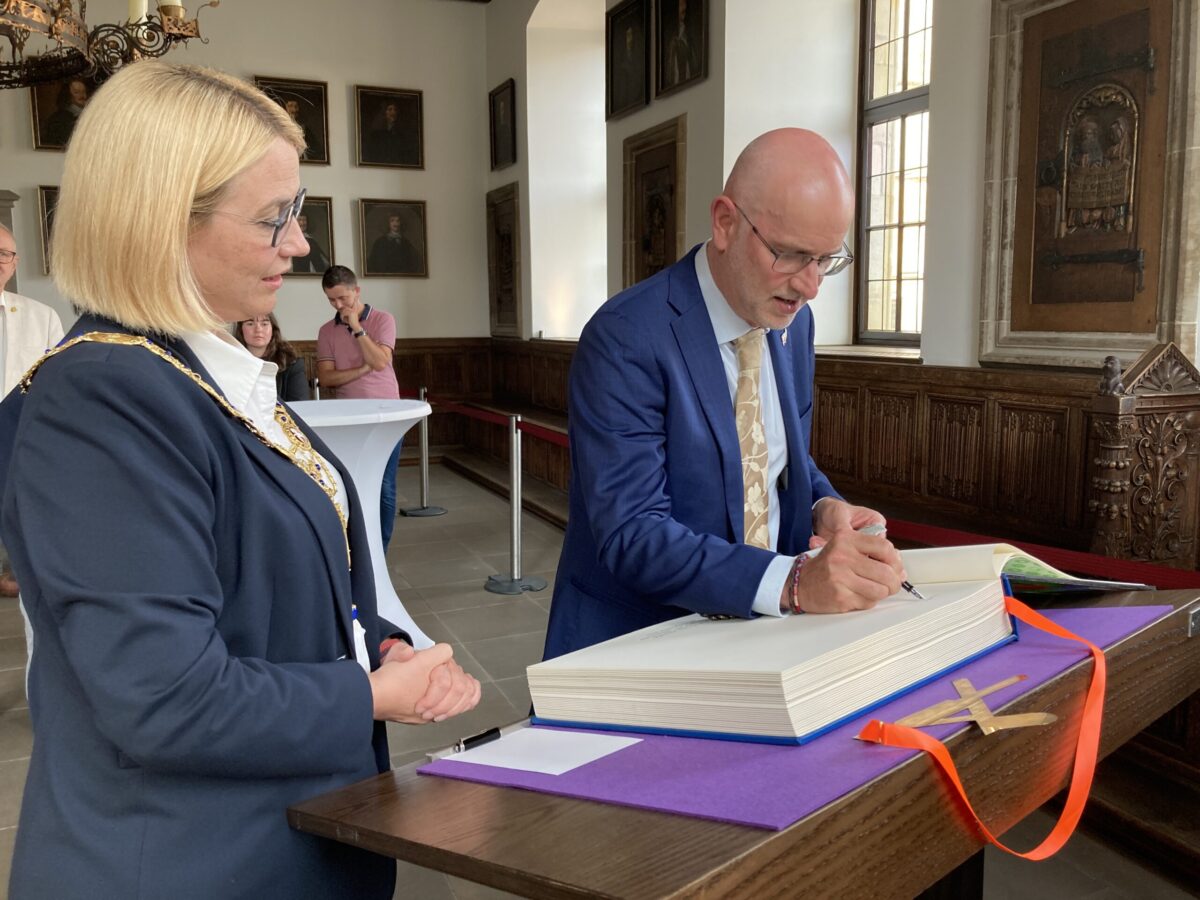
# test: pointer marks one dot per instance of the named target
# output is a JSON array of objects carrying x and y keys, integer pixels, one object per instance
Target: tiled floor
[{"x": 439, "y": 566}]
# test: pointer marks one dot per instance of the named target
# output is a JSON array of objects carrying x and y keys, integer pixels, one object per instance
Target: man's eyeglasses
[
  {"x": 280, "y": 224},
  {"x": 791, "y": 263},
  {"x": 7, "y": 256}
]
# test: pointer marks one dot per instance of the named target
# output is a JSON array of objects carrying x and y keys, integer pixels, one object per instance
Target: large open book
[
  {"x": 783, "y": 680},
  {"x": 1027, "y": 574}
]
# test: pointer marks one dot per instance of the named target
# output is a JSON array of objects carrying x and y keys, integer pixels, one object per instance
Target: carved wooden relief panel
[
  {"x": 1164, "y": 451},
  {"x": 1032, "y": 454},
  {"x": 1108, "y": 484},
  {"x": 835, "y": 443},
  {"x": 891, "y": 431},
  {"x": 955, "y": 442},
  {"x": 1090, "y": 182},
  {"x": 1144, "y": 451}
]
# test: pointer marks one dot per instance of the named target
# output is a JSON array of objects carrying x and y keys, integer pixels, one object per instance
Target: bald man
[
  {"x": 668, "y": 515},
  {"x": 27, "y": 329}
]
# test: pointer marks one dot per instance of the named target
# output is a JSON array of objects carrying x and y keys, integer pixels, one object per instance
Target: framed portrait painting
[
  {"x": 306, "y": 102},
  {"x": 682, "y": 30},
  {"x": 316, "y": 223},
  {"x": 389, "y": 127},
  {"x": 627, "y": 57},
  {"x": 392, "y": 238},
  {"x": 654, "y": 163},
  {"x": 502, "y": 122},
  {"x": 504, "y": 260},
  {"x": 56, "y": 107},
  {"x": 47, "y": 200}
]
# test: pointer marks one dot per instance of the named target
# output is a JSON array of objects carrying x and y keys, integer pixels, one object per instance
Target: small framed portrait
[
  {"x": 504, "y": 260},
  {"x": 390, "y": 127},
  {"x": 502, "y": 119},
  {"x": 316, "y": 223},
  {"x": 627, "y": 46},
  {"x": 682, "y": 30},
  {"x": 56, "y": 107},
  {"x": 392, "y": 238},
  {"x": 47, "y": 200},
  {"x": 306, "y": 103}
]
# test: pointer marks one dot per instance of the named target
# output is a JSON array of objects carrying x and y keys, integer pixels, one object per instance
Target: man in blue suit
[{"x": 658, "y": 508}]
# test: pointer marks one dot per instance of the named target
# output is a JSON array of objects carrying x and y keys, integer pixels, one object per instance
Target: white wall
[
  {"x": 795, "y": 63},
  {"x": 567, "y": 190},
  {"x": 771, "y": 63},
  {"x": 507, "y": 23},
  {"x": 958, "y": 90},
  {"x": 435, "y": 47},
  {"x": 704, "y": 105}
]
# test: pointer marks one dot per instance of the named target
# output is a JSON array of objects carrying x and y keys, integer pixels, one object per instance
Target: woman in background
[
  {"x": 193, "y": 559},
  {"x": 261, "y": 337}
]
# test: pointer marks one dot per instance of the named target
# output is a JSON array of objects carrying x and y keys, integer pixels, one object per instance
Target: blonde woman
[{"x": 207, "y": 647}]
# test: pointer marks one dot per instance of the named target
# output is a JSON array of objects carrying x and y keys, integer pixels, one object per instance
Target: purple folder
[{"x": 772, "y": 786}]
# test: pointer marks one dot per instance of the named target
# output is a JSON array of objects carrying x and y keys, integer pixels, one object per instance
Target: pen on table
[
  {"x": 881, "y": 530},
  {"x": 476, "y": 740}
]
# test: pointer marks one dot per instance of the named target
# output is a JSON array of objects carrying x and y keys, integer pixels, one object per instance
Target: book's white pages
[{"x": 784, "y": 678}]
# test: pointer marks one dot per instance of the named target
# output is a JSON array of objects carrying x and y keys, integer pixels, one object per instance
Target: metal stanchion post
[
  {"x": 498, "y": 584},
  {"x": 424, "y": 509}
]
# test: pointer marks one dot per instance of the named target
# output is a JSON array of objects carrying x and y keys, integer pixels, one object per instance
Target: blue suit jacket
[
  {"x": 656, "y": 520},
  {"x": 190, "y": 601}
]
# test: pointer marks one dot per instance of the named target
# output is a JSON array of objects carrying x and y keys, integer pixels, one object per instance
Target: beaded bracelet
[{"x": 796, "y": 567}]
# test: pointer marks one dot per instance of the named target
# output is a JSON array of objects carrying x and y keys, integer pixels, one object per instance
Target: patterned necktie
[{"x": 752, "y": 438}]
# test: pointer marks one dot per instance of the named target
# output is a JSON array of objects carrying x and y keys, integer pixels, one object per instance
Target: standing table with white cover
[{"x": 363, "y": 434}]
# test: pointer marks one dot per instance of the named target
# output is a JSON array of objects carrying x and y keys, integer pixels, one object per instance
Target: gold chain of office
[{"x": 299, "y": 451}]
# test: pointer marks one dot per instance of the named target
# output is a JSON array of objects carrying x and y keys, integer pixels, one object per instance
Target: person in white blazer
[{"x": 27, "y": 330}]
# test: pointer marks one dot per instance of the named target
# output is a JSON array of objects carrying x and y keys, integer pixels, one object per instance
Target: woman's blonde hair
[{"x": 147, "y": 163}]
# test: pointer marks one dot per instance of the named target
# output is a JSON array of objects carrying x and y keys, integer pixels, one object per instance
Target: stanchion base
[
  {"x": 500, "y": 584},
  {"x": 423, "y": 511}
]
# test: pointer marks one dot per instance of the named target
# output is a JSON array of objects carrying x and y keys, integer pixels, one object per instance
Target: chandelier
[{"x": 69, "y": 49}]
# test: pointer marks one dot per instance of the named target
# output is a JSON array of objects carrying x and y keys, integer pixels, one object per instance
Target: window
[{"x": 893, "y": 168}]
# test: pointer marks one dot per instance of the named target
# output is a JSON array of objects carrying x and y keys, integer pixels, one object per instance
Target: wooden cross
[{"x": 970, "y": 699}]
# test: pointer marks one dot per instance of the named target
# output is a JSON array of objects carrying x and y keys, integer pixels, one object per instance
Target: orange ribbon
[{"x": 1086, "y": 748}]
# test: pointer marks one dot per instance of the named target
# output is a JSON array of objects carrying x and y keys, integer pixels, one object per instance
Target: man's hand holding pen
[{"x": 851, "y": 564}]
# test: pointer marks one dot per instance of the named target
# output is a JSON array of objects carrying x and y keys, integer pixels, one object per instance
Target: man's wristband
[
  {"x": 360, "y": 332},
  {"x": 795, "y": 595}
]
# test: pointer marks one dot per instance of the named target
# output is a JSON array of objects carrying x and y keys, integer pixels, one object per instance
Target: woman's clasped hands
[{"x": 419, "y": 686}]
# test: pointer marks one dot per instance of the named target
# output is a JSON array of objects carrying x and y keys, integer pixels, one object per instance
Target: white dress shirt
[
  {"x": 728, "y": 327},
  {"x": 248, "y": 383}
]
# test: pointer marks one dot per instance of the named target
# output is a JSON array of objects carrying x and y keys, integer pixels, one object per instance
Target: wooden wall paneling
[
  {"x": 1031, "y": 462},
  {"x": 512, "y": 379},
  {"x": 478, "y": 384},
  {"x": 954, "y": 459},
  {"x": 889, "y": 439},
  {"x": 835, "y": 438},
  {"x": 410, "y": 370},
  {"x": 551, "y": 368}
]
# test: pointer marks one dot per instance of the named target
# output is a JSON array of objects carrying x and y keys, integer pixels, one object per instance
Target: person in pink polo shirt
[{"x": 354, "y": 355}]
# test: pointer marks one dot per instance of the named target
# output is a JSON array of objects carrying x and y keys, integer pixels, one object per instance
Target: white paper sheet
[{"x": 542, "y": 750}]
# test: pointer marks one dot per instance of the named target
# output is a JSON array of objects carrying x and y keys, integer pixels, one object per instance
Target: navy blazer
[
  {"x": 191, "y": 606},
  {"x": 655, "y": 527}
]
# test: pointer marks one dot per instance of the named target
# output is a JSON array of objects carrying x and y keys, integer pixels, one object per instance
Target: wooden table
[{"x": 891, "y": 838}]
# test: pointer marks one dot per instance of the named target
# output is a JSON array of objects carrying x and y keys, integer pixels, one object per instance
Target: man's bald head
[
  {"x": 788, "y": 193},
  {"x": 792, "y": 165}
]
